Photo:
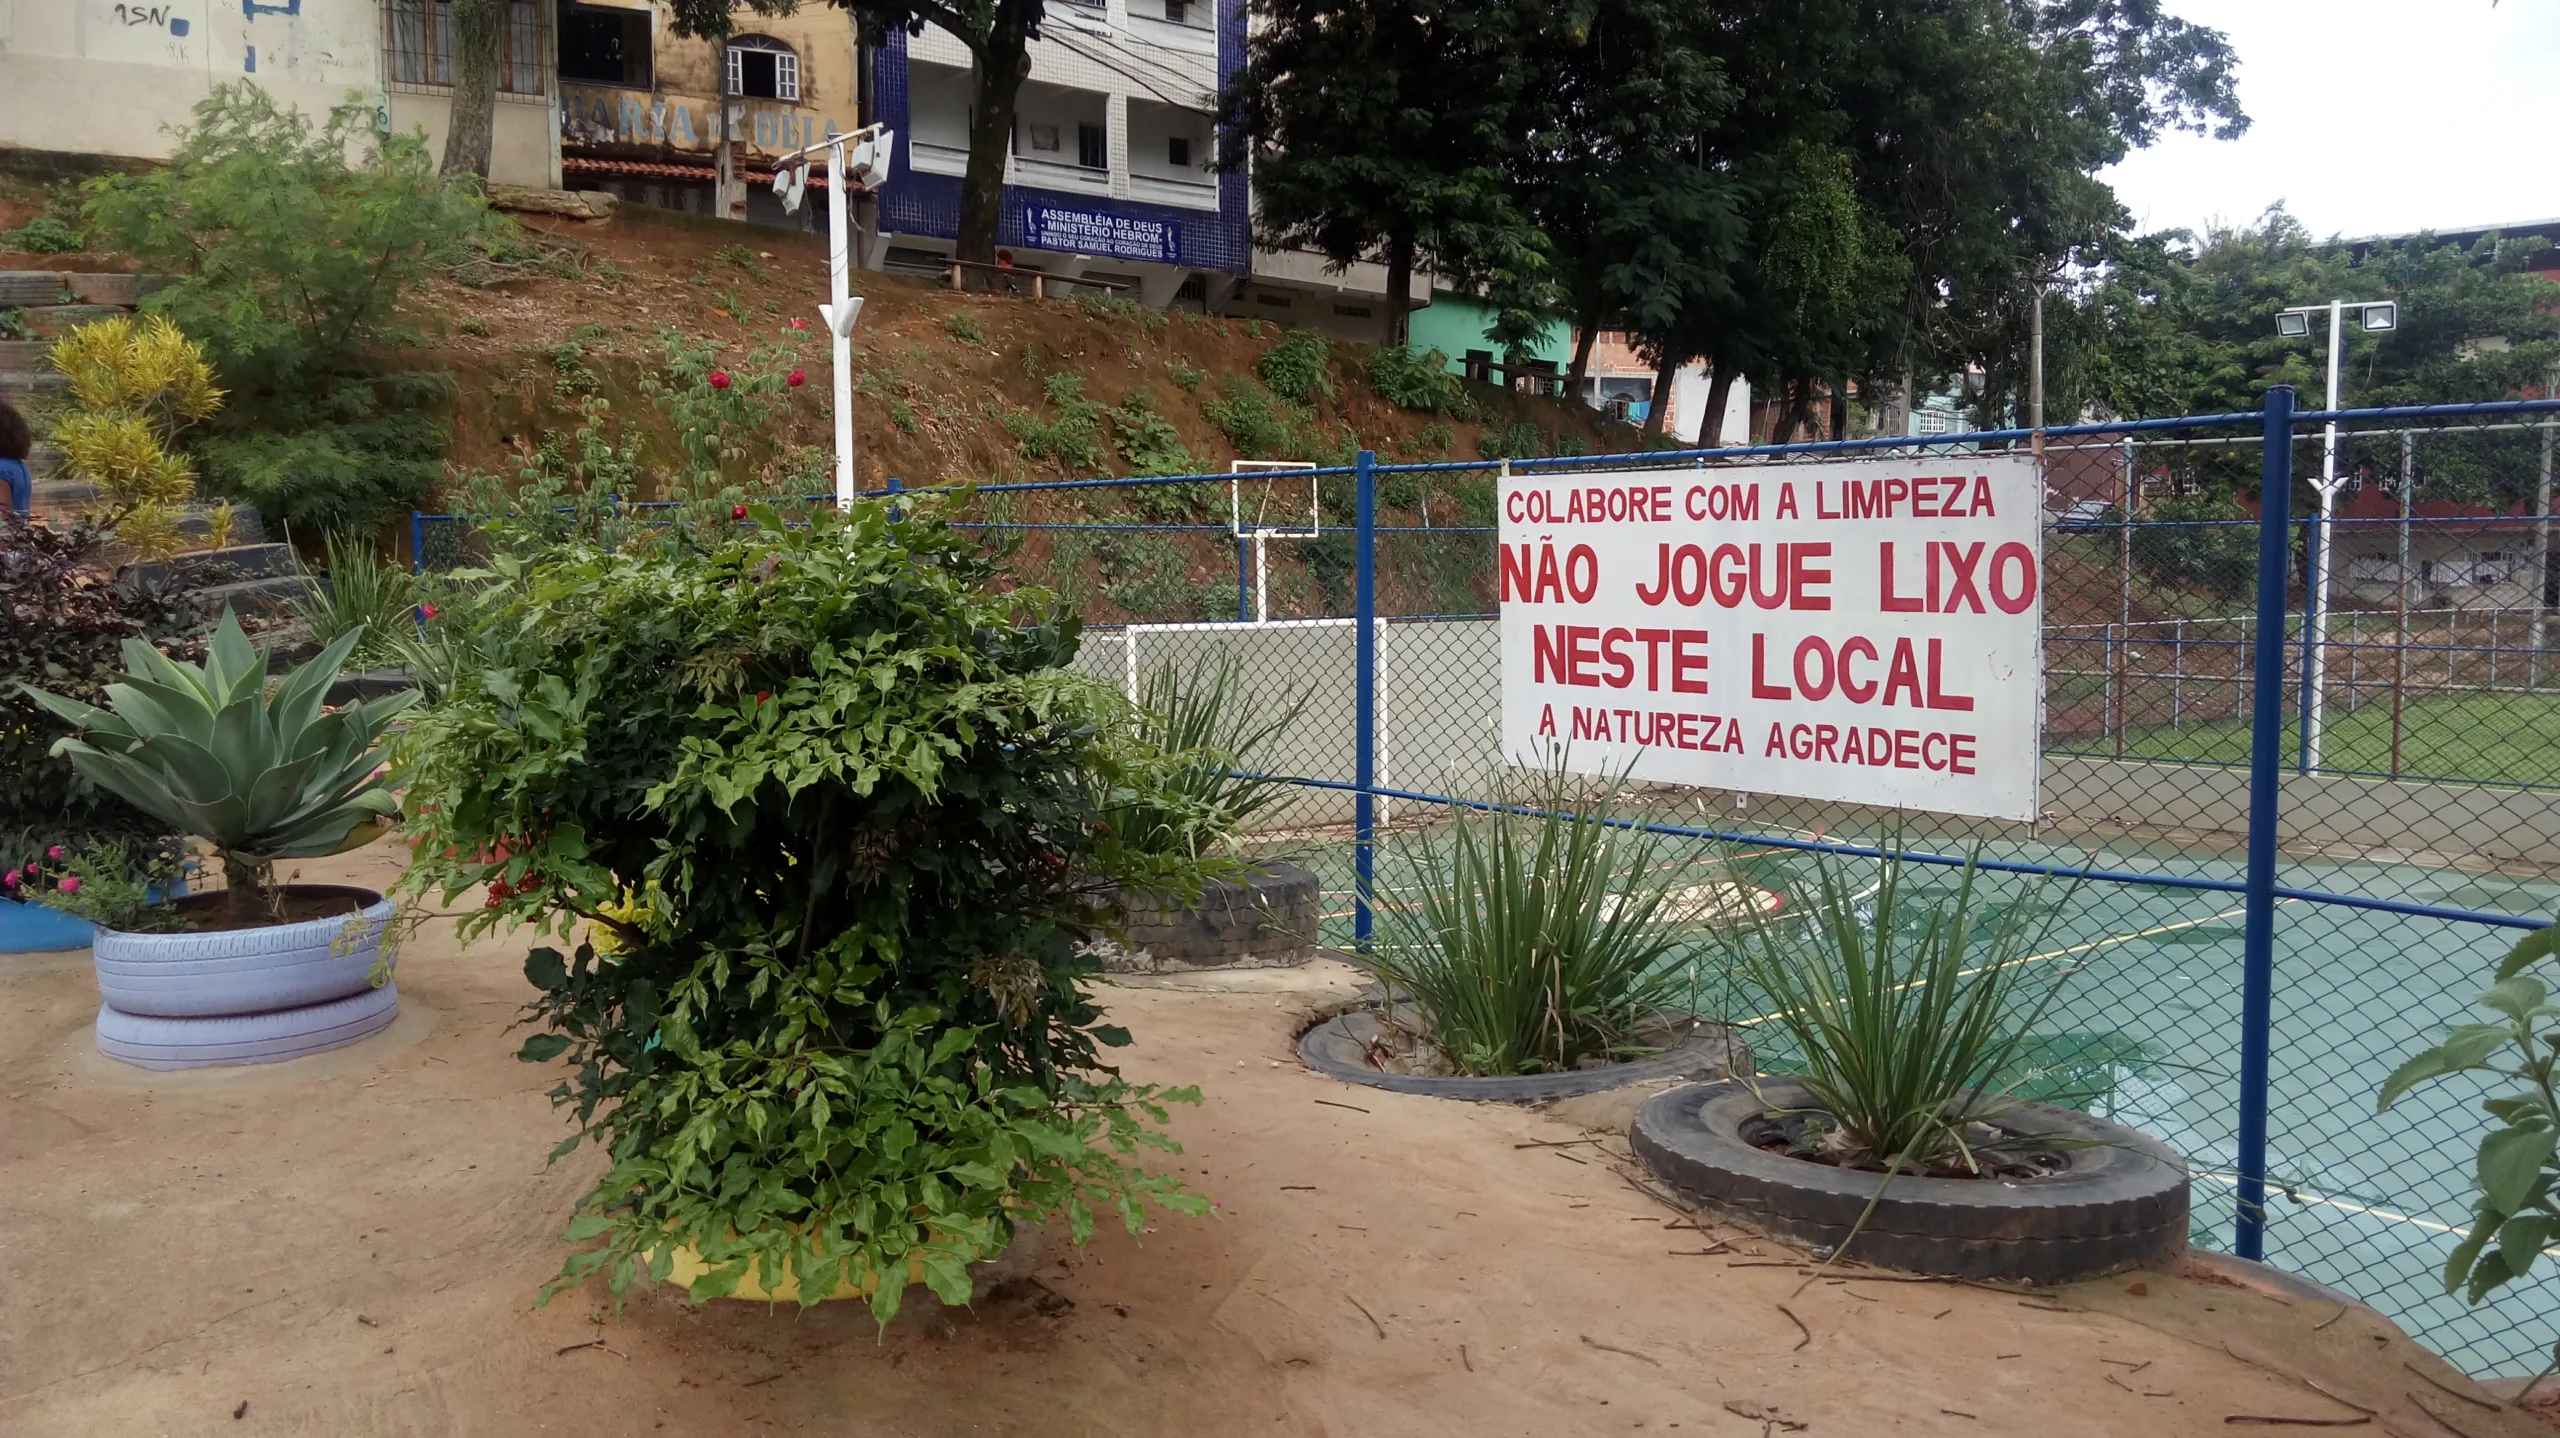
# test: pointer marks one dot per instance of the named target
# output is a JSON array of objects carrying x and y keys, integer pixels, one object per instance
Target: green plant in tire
[
  {"x": 1199, "y": 770},
  {"x": 1532, "y": 938},
  {"x": 1909, "y": 1018},
  {"x": 259, "y": 772},
  {"x": 2515, "y": 1167}
]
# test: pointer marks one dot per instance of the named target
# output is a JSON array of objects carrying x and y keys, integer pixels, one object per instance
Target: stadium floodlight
[
  {"x": 2294, "y": 324},
  {"x": 2384, "y": 316}
]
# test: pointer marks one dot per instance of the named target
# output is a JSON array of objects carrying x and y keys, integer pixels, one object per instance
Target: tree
[
  {"x": 2179, "y": 324},
  {"x": 1394, "y": 131},
  {"x": 295, "y": 245},
  {"x": 998, "y": 35},
  {"x": 471, "y": 125}
]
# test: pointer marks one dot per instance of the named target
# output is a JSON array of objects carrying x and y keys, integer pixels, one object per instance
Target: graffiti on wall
[
  {"x": 590, "y": 116},
  {"x": 327, "y": 42}
]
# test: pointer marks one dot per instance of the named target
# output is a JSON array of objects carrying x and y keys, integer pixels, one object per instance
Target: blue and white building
[{"x": 1114, "y": 167}]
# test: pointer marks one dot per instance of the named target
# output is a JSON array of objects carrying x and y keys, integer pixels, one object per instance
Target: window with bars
[
  {"x": 418, "y": 35},
  {"x": 763, "y": 68}
]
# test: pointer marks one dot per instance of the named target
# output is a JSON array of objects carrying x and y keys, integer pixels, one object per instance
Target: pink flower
[
  {"x": 796, "y": 378},
  {"x": 69, "y": 883},
  {"x": 54, "y": 853},
  {"x": 426, "y": 611},
  {"x": 719, "y": 379},
  {"x": 9, "y": 880}
]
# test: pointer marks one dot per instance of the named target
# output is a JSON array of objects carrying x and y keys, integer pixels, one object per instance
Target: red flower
[
  {"x": 763, "y": 694},
  {"x": 737, "y": 511},
  {"x": 796, "y": 378},
  {"x": 719, "y": 379},
  {"x": 426, "y": 611},
  {"x": 799, "y": 324}
]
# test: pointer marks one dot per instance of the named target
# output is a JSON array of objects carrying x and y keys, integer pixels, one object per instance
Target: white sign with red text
[{"x": 1868, "y": 631}]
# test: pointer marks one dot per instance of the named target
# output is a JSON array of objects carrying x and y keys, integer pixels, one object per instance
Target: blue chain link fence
[{"x": 2299, "y": 765}]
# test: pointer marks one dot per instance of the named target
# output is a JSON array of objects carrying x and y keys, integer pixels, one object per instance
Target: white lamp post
[
  {"x": 863, "y": 154},
  {"x": 2295, "y": 323}
]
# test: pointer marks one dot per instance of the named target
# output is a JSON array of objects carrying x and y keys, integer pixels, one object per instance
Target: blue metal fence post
[
  {"x": 417, "y": 542},
  {"x": 1244, "y": 591},
  {"x": 1364, "y": 722},
  {"x": 2266, "y": 734}
]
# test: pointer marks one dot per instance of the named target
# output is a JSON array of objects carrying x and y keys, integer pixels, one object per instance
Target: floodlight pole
[
  {"x": 2315, "y": 637},
  {"x": 840, "y": 321}
]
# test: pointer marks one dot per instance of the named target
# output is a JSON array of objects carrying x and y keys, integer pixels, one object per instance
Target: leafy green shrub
[
  {"x": 2198, "y": 544},
  {"x": 725, "y": 413},
  {"x": 830, "y": 799},
  {"x": 1908, "y": 1026},
  {"x": 139, "y": 384},
  {"x": 903, "y": 415},
  {"x": 1074, "y": 438},
  {"x": 2515, "y": 1168},
  {"x": 1187, "y": 376},
  {"x": 1521, "y": 439},
  {"x": 66, "y": 626},
  {"x": 1419, "y": 382},
  {"x": 963, "y": 329},
  {"x": 1531, "y": 941},
  {"x": 295, "y": 247},
  {"x": 1297, "y": 367},
  {"x": 1259, "y": 424},
  {"x": 1148, "y": 441},
  {"x": 43, "y": 235}
]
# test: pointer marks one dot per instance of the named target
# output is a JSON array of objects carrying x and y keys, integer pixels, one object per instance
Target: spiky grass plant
[
  {"x": 1205, "y": 780},
  {"x": 1534, "y": 938},
  {"x": 1908, "y": 1016},
  {"x": 362, "y": 594}
]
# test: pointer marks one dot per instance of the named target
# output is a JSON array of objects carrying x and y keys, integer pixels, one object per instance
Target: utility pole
[{"x": 2035, "y": 371}]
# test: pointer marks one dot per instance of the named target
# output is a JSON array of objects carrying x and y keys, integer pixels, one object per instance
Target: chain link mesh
[{"x": 2417, "y": 834}]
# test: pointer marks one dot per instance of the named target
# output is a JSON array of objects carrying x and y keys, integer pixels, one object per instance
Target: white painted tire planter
[
  {"x": 155, "y": 1043},
  {"x": 244, "y": 996},
  {"x": 243, "y": 971}
]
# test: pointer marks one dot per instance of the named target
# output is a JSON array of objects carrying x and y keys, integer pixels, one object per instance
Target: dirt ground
[{"x": 351, "y": 1244}]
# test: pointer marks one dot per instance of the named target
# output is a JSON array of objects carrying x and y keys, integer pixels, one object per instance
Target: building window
[
  {"x": 763, "y": 68},
  {"x": 1093, "y": 147},
  {"x": 1177, "y": 151},
  {"x": 1352, "y": 312},
  {"x": 419, "y": 36},
  {"x": 1176, "y": 11},
  {"x": 1266, "y": 297},
  {"x": 1044, "y": 137},
  {"x": 1932, "y": 421},
  {"x": 605, "y": 45}
]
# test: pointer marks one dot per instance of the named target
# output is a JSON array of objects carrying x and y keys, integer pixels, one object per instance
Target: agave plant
[{"x": 260, "y": 775}]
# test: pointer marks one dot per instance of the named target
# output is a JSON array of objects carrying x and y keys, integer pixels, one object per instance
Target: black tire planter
[
  {"x": 2120, "y": 1203},
  {"x": 1267, "y": 919},
  {"x": 1339, "y": 1048}
]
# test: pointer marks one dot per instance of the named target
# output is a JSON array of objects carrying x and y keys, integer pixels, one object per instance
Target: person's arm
[{"x": 22, "y": 488}]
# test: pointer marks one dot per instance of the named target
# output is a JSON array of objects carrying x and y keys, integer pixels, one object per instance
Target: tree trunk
[
  {"x": 1658, "y": 410},
  {"x": 1586, "y": 330},
  {"x": 995, "y": 83},
  {"x": 1839, "y": 409},
  {"x": 1399, "y": 290},
  {"x": 469, "y": 137},
  {"x": 1719, "y": 394},
  {"x": 866, "y": 111},
  {"x": 1798, "y": 410}
]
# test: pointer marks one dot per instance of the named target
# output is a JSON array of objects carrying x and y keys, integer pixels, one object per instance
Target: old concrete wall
[{"x": 106, "y": 77}]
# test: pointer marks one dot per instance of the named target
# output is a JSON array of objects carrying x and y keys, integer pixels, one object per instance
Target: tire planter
[
  {"x": 244, "y": 971},
  {"x": 242, "y": 996},
  {"x": 1339, "y": 1048},
  {"x": 1267, "y": 919},
  {"x": 157, "y": 1043},
  {"x": 2121, "y": 1201}
]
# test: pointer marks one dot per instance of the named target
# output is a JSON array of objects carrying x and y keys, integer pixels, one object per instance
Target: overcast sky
[{"x": 2370, "y": 117}]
